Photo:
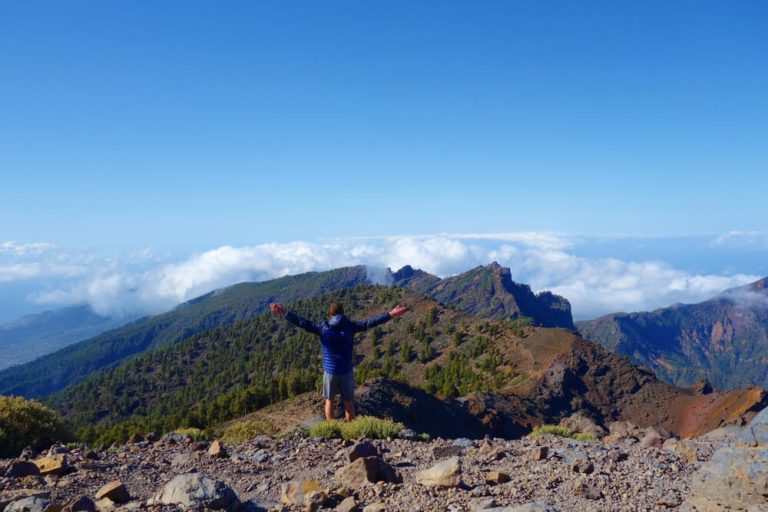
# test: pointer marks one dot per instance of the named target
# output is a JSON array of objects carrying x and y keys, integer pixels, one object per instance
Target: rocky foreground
[{"x": 629, "y": 470}]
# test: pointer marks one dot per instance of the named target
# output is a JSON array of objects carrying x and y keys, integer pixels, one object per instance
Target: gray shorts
[{"x": 339, "y": 384}]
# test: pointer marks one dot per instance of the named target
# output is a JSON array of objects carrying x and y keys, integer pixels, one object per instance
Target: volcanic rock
[
  {"x": 362, "y": 449},
  {"x": 31, "y": 504},
  {"x": 22, "y": 468},
  {"x": 196, "y": 491},
  {"x": 496, "y": 477},
  {"x": 54, "y": 465},
  {"x": 299, "y": 491},
  {"x": 347, "y": 505},
  {"x": 577, "y": 422},
  {"x": 217, "y": 449},
  {"x": 115, "y": 491},
  {"x": 443, "y": 474},
  {"x": 366, "y": 470}
]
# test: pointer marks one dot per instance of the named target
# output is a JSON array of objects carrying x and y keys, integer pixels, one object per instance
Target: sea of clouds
[{"x": 140, "y": 282}]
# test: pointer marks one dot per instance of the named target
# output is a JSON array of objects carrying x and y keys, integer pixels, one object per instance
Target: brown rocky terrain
[{"x": 631, "y": 469}]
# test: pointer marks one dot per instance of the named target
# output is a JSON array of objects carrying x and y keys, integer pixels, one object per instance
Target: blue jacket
[{"x": 337, "y": 337}]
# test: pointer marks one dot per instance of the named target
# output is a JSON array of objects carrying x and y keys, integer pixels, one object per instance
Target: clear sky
[
  {"x": 186, "y": 126},
  {"x": 193, "y": 124}
]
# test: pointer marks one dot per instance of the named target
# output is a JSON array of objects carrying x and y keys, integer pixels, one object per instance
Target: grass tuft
[
  {"x": 363, "y": 426},
  {"x": 561, "y": 432},
  {"x": 246, "y": 430}
]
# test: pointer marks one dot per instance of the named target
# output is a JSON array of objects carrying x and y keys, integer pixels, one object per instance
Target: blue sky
[{"x": 187, "y": 126}]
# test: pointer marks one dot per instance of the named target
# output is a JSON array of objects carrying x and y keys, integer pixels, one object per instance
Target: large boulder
[
  {"x": 756, "y": 433},
  {"x": 736, "y": 477},
  {"x": 733, "y": 479},
  {"x": 195, "y": 491}
]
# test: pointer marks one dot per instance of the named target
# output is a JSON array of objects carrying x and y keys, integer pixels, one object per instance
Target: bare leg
[
  {"x": 329, "y": 409},
  {"x": 349, "y": 410}
]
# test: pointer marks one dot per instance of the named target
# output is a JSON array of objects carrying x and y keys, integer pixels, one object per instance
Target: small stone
[
  {"x": 91, "y": 455},
  {"x": 651, "y": 439},
  {"x": 484, "y": 504},
  {"x": 366, "y": 470},
  {"x": 55, "y": 465},
  {"x": 496, "y": 477},
  {"x": 443, "y": 474},
  {"x": 217, "y": 449},
  {"x": 115, "y": 491},
  {"x": 80, "y": 504},
  {"x": 540, "y": 453},
  {"x": 375, "y": 507},
  {"x": 588, "y": 491},
  {"x": 259, "y": 457},
  {"x": 362, "y": 449},
  {"x": 297, "y": 492},
  {"x": 479, "y": 491},
  {"x": 196, "y": 491},
  {"x": 136, "y": 438},
  {"x": 582, "y": 466},
  {"x": 408, "y": 434},
  {"x": 105, "y": 505},
  {"x": 463, "y": 442},
  {"x": 444, "y": 452},
  {"x": 347, "y": 505},
  {"x": 315, "y": 500}
]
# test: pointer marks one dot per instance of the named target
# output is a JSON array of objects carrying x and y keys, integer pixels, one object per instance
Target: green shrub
[
  {"x": 326, "y": 429},
  {"x": 28, "y": 423},
  {"x": 246, "y": 430},
  {"x": 561, "y": 432},
  {"x": 553, "y": 430},
  {"x": 368, "y": 426},
  {"x": 363, "y": 426}
]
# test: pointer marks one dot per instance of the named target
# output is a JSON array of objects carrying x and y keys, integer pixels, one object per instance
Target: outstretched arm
[
  {"x": 296, "y": 320},
  {"x": 379, "y": 319}
]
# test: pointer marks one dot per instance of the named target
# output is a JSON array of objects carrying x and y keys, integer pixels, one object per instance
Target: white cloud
[
  {"x": 743, "y": 240},
  {"x": 137, "y": 282},
  {"x": 17, "y": 249}
]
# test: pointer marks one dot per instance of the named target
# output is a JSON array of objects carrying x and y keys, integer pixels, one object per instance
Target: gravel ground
[{"x": 575, "y": 476}]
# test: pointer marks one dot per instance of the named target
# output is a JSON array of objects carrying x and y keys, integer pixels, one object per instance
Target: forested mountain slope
[{"x": 723, "y": 340}]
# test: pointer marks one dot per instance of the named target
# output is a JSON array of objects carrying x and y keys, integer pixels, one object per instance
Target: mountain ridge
[
  {"x": 723, "y": 340},
  {"x": 55, "y": 371}
]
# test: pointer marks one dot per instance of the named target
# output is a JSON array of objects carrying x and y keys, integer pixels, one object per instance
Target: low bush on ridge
[
  {"x": 561, "y": 432},
  {"x": 362, "y": 426},
  {"x": 28, "y": 423},
  {"x": 246, "y": 430}
]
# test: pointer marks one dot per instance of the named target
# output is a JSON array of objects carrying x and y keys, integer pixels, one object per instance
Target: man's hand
[
  {"x": 399, "y": 310},
  {"x": 278, "y": 309}
]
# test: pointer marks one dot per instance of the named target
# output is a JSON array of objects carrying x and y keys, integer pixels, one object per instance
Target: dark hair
[{"x": 335, "y": 309}]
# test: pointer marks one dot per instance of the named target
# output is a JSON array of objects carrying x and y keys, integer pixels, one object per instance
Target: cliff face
[
  {"x": 489, "y": 292},
  {"x": 723, "y": 340}
]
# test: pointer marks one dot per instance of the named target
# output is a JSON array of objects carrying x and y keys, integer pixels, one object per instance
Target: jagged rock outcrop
[{"x": 489, "y": 292}]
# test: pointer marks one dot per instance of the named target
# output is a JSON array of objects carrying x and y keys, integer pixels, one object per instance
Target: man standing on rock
[{"x": 337, "y": 337}]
